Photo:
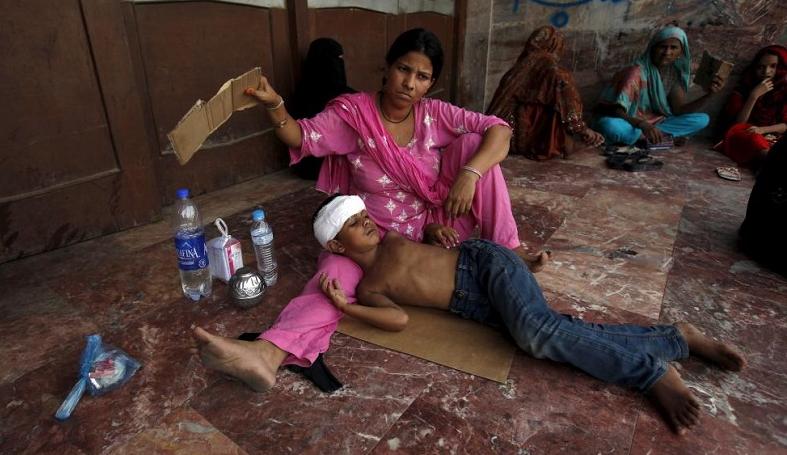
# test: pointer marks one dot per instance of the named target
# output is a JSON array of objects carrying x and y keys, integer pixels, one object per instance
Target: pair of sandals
[{"x": 632, "y": 160}]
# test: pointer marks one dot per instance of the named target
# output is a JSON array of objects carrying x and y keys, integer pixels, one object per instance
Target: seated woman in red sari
[
  {"x": 756, "y": 109},
  {"x": 539, "y": 100}
]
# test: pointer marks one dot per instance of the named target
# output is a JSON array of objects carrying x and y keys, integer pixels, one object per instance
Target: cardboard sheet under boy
[{"x": 204, "y": 118}]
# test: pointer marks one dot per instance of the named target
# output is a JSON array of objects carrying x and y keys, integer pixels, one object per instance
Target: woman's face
[
  {"x": 766, "y": 67},
  {"x": 664, "y": 53},
  {"x": 408, "y": 79}
]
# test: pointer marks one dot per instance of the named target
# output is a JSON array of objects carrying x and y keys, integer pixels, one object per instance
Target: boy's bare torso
[{"x": 411, "y": 273}]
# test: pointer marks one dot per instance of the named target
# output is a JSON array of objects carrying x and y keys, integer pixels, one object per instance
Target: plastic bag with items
[{"x": 102, "y": 368}]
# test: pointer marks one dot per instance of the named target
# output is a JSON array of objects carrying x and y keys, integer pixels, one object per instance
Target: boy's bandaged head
[{"x": 332, "y": 217}]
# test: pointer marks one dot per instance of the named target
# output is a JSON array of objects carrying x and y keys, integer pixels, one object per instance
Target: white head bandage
[{"x": 332, "y": 217}]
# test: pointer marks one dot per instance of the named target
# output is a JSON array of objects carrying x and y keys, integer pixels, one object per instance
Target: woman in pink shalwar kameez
[{"x": 413, "y": 160}]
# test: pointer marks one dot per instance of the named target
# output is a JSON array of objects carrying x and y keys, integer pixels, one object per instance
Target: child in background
[{"x": 755, "y": 115}]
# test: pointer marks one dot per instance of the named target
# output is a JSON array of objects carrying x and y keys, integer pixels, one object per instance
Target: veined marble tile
[{"x": 181, "y": 431}]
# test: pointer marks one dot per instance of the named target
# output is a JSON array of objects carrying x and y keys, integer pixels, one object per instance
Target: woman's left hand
[
  {"x": 460, "y": 198},
  {"x": 755, "y": 130}
]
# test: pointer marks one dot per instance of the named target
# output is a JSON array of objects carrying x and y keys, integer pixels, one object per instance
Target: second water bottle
[{"x": 262, "y": 239}]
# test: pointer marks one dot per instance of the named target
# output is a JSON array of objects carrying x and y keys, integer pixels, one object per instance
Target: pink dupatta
[{"x": 360, "y": 112}]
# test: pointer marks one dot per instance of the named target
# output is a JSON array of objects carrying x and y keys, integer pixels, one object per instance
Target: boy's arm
[
  {"x": 378, "y": 310},
  {"x": 375, "y": 309}
]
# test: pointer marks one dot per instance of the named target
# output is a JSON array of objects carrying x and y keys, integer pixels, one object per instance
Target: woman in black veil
[{"x": 323, "y": 78}]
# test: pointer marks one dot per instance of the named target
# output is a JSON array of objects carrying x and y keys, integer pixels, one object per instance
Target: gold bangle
[
  {"x": 281, "y": 102},
  {"x": 472, "y": 170},
  {"x": 281, "y": 124}
]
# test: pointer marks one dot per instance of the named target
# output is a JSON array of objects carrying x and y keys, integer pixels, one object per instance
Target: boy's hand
[
  {"x": 333, "y": 290},
  {"x": 441, "y": 235}
]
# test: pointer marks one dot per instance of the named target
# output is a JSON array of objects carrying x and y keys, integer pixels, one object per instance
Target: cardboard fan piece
[{"x": 206, "y": 117}]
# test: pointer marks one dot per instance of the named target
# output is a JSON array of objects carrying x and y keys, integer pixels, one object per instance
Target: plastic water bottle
[
  {"x": 195, "y": 276},
  {"x": 262, "y": 238}
]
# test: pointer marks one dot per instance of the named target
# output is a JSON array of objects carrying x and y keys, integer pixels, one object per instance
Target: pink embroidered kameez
[{"x": 403, "y": 188}]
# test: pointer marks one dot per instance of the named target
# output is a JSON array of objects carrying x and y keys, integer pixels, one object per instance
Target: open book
[
  {"x": 711, "y": 66},
  {"x": 205, "y": 118}
]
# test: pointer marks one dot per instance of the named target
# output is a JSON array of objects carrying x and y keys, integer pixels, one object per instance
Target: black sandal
[{"x": 633, "y": 162}]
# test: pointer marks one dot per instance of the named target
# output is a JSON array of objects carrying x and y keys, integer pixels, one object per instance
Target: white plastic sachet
[{"x": 224, "y": 253}]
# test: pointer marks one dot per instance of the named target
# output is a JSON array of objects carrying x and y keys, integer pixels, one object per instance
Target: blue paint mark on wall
[{"x": 560, "y": 18}]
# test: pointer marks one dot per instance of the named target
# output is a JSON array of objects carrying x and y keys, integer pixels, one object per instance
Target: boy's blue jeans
[{"x": 495, "y": 287}]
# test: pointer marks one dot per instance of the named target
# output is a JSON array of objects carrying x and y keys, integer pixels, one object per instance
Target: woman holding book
[
  {"x": 756, "y": 113},
  {"x": 649, "y": 98}
]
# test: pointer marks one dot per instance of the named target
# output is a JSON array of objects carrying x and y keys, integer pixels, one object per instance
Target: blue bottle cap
[
  {"x": 258, "y": 215},
  {"x": 182, "y": 193}
]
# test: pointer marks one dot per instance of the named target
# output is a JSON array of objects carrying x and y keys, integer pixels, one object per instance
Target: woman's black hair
[{"x": 418, "y": 40}]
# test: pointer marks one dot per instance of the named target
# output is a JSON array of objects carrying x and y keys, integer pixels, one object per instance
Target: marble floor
[{"x": 646, "y": 247}]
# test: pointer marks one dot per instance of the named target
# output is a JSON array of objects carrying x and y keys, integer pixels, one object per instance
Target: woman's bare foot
[
  {"x": 719, "y": 353},
  {"x": 253, "y": 362},
  {"x": 535, "y": 262},
  {"x": 675, "y": 401}
]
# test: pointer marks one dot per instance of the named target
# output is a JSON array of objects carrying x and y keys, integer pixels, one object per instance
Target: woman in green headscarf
[{"x": 649, "y": 98}]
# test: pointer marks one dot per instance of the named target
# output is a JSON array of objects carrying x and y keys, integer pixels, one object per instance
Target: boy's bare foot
[
  {"x": 535, "y": 262},
  {"x": 676, "y": 401},
  {"x": 253, "y": 362},
  {"x": 719, "y": 353}
]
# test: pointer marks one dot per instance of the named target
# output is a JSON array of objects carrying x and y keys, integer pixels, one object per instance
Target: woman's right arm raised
[{"x": 286, "y": 128}]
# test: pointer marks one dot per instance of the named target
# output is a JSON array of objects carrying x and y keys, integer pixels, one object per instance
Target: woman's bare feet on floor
[
  {"x": 535, "y": 262},
  {"x": 675, "y": 401},
  {"x": 253, "y": 362},
  {"x": 719, "y": 353}
]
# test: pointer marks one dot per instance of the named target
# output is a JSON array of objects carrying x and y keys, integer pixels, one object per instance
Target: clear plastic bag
[{"x": 102, "y": 368}]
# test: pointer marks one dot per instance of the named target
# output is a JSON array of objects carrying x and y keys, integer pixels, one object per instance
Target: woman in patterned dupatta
[
  {"x": 649, "y": 98},
  {"x": 540, "y": 101},
  {"x": 756, "y": 113}
]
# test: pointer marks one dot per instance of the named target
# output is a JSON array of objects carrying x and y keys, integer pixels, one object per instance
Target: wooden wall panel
[
  {"x": 75, "y": 163},
  {"x": 189, "y": 49},
  {"x": 56, "y": 128}
]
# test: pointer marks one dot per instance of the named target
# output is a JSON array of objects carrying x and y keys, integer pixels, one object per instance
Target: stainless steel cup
[{"x": 246, "y": 287}]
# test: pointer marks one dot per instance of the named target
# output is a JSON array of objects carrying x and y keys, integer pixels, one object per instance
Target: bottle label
[
  {"x": 192, "y": 252},
  {"x": 259, "y": 237}
]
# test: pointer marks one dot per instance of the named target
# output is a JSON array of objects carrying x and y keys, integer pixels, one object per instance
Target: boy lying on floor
[{"x": 487, "y": 283}]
